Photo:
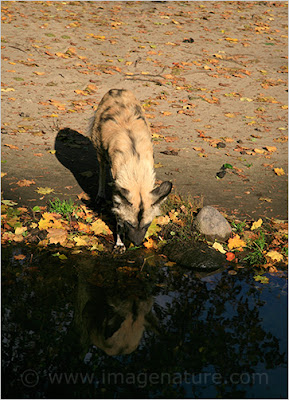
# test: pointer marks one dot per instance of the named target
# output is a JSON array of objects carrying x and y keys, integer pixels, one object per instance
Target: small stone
[
  {"x": 221, "y": 174},
  {"x": 211, "y": 223}
]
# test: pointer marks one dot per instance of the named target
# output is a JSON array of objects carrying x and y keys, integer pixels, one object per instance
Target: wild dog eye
[
  {"x": 146, "y": 227},
  {"x": 129, "y": 225}
]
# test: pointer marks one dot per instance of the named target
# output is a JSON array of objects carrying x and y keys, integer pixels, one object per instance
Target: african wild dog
[{"x": 122, "y": 138}]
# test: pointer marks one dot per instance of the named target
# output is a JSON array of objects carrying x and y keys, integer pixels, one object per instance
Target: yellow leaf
[
  {"x": 44, "y": 190},
  {"x": 81, "y": 240},
  {"x": 158, "y": 165},
  {"x": 3, "y": 174},
  {"x": 246, "y": 99},
  {"x": 259, "y": 151},
  {"x": 20, "y": 230},
  {"x": 279, "y": 171},
  {"x": 271, "y": 148},
  {"x": 275, "y": 256},
  {"x": 83, "y": 92},
  {"x": 8, "y": 90},
  {"x": 100, "y": 227},
  {"x": 166, "y": 113},
  {"x": 62, "y": 55},
  {"x": 230, "y": 115},
  {"x": 170, "y": 264},
  {"x": 284, "y": 107},
  {"x": 156, "y": 136},
  {"x": 257, "y": 224},
  {"x": 163, "y": 220},
  {"x": 219, "y": 247},
  {"x": 38, "y": 73},
  {"x": 231, "y": 39},
  {"x": 236, "y": 243}
]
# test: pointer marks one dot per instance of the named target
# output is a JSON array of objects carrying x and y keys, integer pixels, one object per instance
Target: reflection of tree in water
[{"x": 201, "y": 326}]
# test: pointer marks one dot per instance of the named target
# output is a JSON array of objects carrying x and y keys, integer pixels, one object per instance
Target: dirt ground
[{"x": 212, "y": 77}]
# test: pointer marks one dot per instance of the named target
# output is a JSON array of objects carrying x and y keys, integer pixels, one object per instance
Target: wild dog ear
[{"x": 161, "y": 192}]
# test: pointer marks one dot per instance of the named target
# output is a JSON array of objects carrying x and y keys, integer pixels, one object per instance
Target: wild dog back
[
  {"x": 122, "y": 138},
  {"x": 121, "y": 131}
]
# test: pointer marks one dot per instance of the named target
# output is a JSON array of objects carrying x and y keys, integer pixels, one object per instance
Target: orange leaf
[
  {"x": 150, "y": 244},
  {"x": 11, "y": 146},
  {"x": 230, "y": 256},
  {"x": 20, "y": 257},
  {"x": 25, "y": 182}
]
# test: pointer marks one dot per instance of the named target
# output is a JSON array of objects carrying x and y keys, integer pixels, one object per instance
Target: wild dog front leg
[
  {"x": 101, "y": 182},
  {"x": 119, "y": 246}
]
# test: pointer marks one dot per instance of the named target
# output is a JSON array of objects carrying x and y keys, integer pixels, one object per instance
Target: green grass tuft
[{"x": 64, "y": 207}]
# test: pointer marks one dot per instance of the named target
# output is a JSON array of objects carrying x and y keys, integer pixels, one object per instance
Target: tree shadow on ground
[{"x": 76, "y": 153}]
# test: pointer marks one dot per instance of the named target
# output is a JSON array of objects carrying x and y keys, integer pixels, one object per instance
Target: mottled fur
[{"x": 122, "y": 138}]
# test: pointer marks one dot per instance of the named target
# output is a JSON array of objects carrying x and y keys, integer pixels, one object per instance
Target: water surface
[{"x": 132, "y": 327}]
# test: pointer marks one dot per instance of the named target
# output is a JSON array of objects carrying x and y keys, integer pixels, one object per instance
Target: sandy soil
[{"x": 212, "y": 77}]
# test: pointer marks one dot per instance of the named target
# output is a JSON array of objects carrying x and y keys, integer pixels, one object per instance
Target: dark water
[{"x": 135, "y": 328}]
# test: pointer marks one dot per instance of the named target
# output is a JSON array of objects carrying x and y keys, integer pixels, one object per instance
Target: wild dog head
[{"x": 135, "y": 208}]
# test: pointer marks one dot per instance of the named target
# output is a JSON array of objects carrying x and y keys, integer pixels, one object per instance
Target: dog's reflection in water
[{"x": 113, "y": 324}]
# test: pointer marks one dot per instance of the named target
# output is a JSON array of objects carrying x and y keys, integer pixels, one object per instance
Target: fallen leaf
[
  {"x": 150, "y": 244},
  {"x": 3, "y": 174},
  {"x": 256, "y": 224},
  {"x": 279, "y": 171},
  {"x": 271, "y": 148},
  {"x": 100, "y": 227},
  {"x": 81, "y": 240},
  {"x": 44, "y": 190},
  {"x": 259, "y": 151},
  {"x": 163, "y": 220},
  {"x": 25, "y": 182},
  {"x": 230, "y": 256},
  {"x": 236, "y": 243},
  {"x": 56, "y": 235},
  {"x": 219, "y": 247},
  {"x": 20, "y": 230},
  {"x": 246, "y": 99},
  {"x": 153, "y": 229},
  {"x": 261, "y": 279},
  {"x": 20, "y": 257},
  {"x": 231, "y": 40},
  {"x": 275, "y": 256},
  {"x": 11, "y": 146},
  {"x": 265, "y": 199},
  {"x": 232, "y": 272},
  {"x": 9, "y": 203},
  {"x": 158, "y": 165}
]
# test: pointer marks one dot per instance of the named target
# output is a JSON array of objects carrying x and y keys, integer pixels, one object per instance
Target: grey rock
[
  {"x": 195, "y": 255},
  {"x": 211, "y": 223}
]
